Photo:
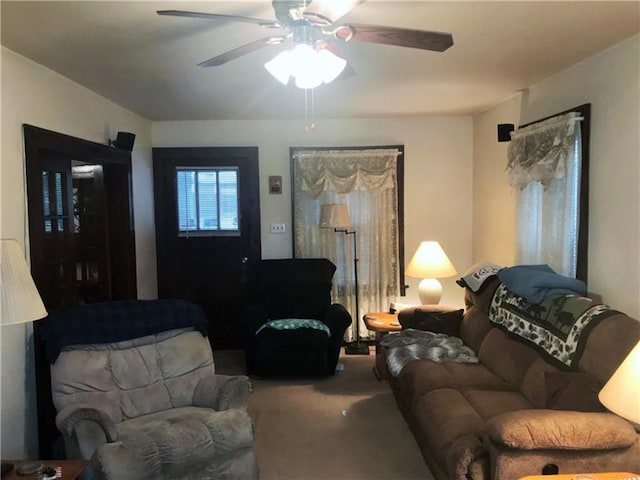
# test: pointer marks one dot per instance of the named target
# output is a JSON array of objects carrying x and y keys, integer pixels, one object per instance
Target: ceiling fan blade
[
  {"x": 242, "y": 50},
  {"x": 401, "y": 37},
  {"x": 326, "y": 12},
  {"x": 216, "y": 16}
]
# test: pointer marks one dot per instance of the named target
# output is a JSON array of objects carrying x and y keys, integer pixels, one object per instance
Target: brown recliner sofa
[{"x": 515, "y": 412}]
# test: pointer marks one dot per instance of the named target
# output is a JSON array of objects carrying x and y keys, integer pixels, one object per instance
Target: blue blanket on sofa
[{"x": 537, "y": 282}]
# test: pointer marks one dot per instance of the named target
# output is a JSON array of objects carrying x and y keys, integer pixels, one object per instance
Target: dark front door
[{"x": 207, "y": 208}]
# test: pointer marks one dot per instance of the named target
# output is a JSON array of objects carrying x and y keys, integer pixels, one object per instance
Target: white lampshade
[
  {"x": 21, "y": 301},
  {"x": 330, "y": 65},
  {"x": 335, "y": 215},
  {"x": 621, "y": 394},
  {"x": 279, "y": 67},
  {"x": 430, "y": 263}
]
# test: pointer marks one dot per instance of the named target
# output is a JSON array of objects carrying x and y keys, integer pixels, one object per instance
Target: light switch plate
[{"x": 278, "y": 228}]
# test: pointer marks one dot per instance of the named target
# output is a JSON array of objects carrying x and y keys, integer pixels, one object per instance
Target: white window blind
[{"x": 207, "y": 201}]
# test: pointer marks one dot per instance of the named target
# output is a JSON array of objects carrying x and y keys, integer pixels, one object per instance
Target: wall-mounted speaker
[
  {"x": 504, "y": 131},
  {"x": 124, "y": 140}
]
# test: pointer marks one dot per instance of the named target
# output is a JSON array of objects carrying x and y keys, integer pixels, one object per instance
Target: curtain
[
  {"x": 366, "y": 180},
  {"x": 544, "y": 163}
]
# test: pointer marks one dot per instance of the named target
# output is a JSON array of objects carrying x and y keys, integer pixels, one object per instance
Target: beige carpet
[{"x": 346, "y": 427}]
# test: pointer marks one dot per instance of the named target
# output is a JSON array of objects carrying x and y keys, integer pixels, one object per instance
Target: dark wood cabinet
[{"x": 81, "y": 237}]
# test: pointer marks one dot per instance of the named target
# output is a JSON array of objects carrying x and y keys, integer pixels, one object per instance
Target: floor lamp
[
  {"x": 336, "y": 216},
  {"x": 20, "y": 302}
]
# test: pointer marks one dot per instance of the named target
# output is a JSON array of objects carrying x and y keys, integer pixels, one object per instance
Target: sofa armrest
[
  {"x": 84, "y": 429},
  {"x": 68, "y": 418},
  {"x": 337, "y": 318},
  {"x": 222, "y": 392},
  {"x": 560, "y": 430},
  {"x": 432, "y": 318},
  {"x": 254, "y": 316}
]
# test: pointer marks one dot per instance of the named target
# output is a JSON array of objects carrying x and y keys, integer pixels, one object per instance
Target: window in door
[{"x": 207, "y": 201}]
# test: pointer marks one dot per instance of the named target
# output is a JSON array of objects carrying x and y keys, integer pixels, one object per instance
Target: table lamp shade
[
  {"x": 335, "y": 215},
  {"x": 621, "y": 394},
  {"x": 20, "y": 301},
  {"x": 430, "y": 261}
]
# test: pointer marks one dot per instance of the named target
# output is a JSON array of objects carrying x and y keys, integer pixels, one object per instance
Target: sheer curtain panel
[
  {"x": 544, "y": 164},
  {"x": 366, "y": 180}
]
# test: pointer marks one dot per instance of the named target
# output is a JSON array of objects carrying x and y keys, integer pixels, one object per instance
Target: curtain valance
[
  {"x": 538, "y": 153},
  {"x": 343, "y": 171}
]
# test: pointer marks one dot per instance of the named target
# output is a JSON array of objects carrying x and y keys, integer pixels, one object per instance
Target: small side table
[
  {"x": 71, "y": 469},
  {"x": 381, "y": 323}
]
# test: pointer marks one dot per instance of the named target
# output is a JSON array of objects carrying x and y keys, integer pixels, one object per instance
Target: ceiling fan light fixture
[
  {"x": 330, "y": 64},
  {"x": 309, "y": 67},
  {"x": 308, "y": 80},
  {"x": 280, "y": 67}
]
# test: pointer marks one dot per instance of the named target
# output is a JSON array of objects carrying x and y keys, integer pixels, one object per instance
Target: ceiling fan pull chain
[{"x": 309, "y": 110}]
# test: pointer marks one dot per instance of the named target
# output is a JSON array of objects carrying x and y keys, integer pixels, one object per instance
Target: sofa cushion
[
  {"x": 174, "y": 442},
  {"x": 438, "y": 322},
  {"x": 422, "y": 376},
  {"x": 489, "y": 403},
  {"x": 505, "y": 357},
  {"x": 608, "y": 345},
  {"x": 533, "y": 383},
  {"x": 475, "y": 326},
  {"x": 572, "y": 391}
]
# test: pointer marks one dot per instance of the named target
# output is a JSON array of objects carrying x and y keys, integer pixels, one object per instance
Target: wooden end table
[
  {"x": 381, "y": 323},
  {"x": 71, "y": 469},
  {"x": 594, "y": 476}
]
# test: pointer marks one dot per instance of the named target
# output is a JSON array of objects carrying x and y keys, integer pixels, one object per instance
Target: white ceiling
[{"x": 147, "y": 63}]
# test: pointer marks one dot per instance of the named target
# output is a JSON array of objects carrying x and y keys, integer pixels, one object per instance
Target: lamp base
[
  {"x": 356, "y": 348},
  {"x": 429, "y": 291}
]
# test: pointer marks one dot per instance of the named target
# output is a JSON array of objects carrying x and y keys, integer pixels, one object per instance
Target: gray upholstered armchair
[{"x": 150, "y": 406}]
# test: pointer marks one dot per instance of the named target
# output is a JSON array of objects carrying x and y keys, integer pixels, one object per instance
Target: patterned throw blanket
[
  {"x": 408, "y": 345},
  {"x": 558, "y": 327}
]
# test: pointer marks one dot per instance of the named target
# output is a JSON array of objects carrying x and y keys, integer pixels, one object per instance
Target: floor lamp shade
[
  {"x": 335, "y": 215},
  {"x": 621, "y": 394},
  {"x": 21, "y": 301},
  {"x": 430, "y": 263}
]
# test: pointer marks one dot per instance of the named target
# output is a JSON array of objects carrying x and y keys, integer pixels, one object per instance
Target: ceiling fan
[{"x": 312, "y": 23}]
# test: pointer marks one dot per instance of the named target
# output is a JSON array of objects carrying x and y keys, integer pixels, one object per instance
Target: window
[
  {"x": 548, "y": 163},
  {"x": 207, "y": 201},
  {"x": 369, "y": 180}
]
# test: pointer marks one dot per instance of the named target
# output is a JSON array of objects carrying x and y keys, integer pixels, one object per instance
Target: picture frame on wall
[{"x": 275, "y": 184}]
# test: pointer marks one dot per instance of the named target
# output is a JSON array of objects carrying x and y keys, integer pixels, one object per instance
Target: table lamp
[
  {"x": 621, "y": 394},
  {"x": 430, "y": 263},
  {"x": 20, "y": 302},
  {"x": 336, "y": 216}
]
